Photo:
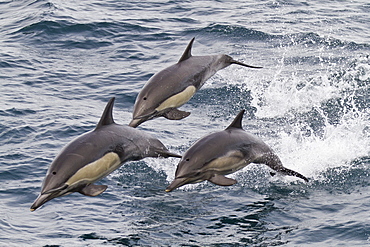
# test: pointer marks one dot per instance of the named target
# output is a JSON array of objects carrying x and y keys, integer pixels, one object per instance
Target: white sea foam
[
  {"x": 289, "y": 93},
  {"x": 337, "y": 144},
  {"x": 291, "y": 97}
]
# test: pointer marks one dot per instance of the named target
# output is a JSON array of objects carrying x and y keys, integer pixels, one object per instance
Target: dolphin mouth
[
  {"x": 178, "y": 182},
  {"x": 41, "y": 200},
  {"x": 49, "y": 195},
  {"x": 136, "y": 121},
  {"x": 60, "y": 188},
  {"x": 149, "y": 115}
]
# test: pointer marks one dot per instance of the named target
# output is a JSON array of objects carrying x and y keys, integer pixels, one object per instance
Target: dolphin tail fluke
[
  {"x": 176, "y": 114},
  {"x": 245, "y": 65},
  {"x": 222, "y": 180},
  {"x": 167, "y": 154},
  {"x": 93, "y": 190},
  {"x": 289, "y": 172},
  {"x": 273, "y": 161}
]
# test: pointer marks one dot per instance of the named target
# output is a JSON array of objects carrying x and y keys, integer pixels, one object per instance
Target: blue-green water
[{"x": 61, "y": 61}]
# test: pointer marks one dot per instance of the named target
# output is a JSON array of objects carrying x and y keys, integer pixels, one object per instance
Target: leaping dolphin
[
  {"x": 94, "y": 155},
  {"x": 174, "y": 86},
  {"x": 225, "y": 152}
]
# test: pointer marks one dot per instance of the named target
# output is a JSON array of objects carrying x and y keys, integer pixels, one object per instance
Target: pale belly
[
  {"x": 177, "y": 100},
  {"x": 96, "y": 170}
]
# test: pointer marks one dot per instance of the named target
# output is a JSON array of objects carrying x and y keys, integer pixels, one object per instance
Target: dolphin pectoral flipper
[
  {"x": 176, "y": 114},
  {"x": 222, "y": 180},
  {"x": 93, "y": 190}
]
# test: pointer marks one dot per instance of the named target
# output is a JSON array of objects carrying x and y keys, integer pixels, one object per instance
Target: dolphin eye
[
  {"x": 144, "y": 98},
  {"x": 187, "y": 159},
  {"x": 54, "y": 173}
]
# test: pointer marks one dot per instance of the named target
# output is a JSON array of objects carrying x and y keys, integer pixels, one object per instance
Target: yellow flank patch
[
  {"x": 97, "y": 169},
  {"x": 233, "y": 161},
  {"x": 178, "y": 99}
]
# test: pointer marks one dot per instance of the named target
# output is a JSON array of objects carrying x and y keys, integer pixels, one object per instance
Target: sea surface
[{"x": 61, "y": 61}]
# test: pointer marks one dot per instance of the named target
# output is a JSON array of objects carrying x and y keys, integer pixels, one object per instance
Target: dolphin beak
[
  {"x": 40, "y": 200},
  {"x": 178, "y": 182},
  {"x": 49, "y": 195},
  {"x": 136, "y": 122}
]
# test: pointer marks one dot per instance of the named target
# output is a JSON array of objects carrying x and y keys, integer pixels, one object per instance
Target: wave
[
  {"x": 97, "y": 30},
  {"x": 322, "y": 122},
  {"x": 76, "y": 35},
  {"x": 232, "y": 31},
  {"x": 306, "y": 39}
]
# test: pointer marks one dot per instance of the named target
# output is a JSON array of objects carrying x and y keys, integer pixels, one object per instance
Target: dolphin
[
  {"x": 95, "y": 154},
  {"x": 225, "y": 152},
  {"x": 174, "y": 86}
]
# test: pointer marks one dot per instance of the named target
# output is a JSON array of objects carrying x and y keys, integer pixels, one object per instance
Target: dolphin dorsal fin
[
  {"x": 237, "y": 123},
  {"x": 107, "y": 117},
  {"x": 187, "y": 52}
]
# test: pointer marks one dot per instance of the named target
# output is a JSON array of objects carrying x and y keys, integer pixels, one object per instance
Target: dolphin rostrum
[
  {"x": 225, "y": 152},
  {"x": 174, "y": 86},
  {"x": 94, "y": 155}
]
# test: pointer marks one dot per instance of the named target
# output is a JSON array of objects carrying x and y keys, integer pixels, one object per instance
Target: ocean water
[{"x": 61, "y": 61}]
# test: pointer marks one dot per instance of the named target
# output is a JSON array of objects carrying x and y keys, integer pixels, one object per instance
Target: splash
[
  {"x": 314, "y": 123},
  {"x": 322, "y": 121},
  {"x": 337, "y": 146}
]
